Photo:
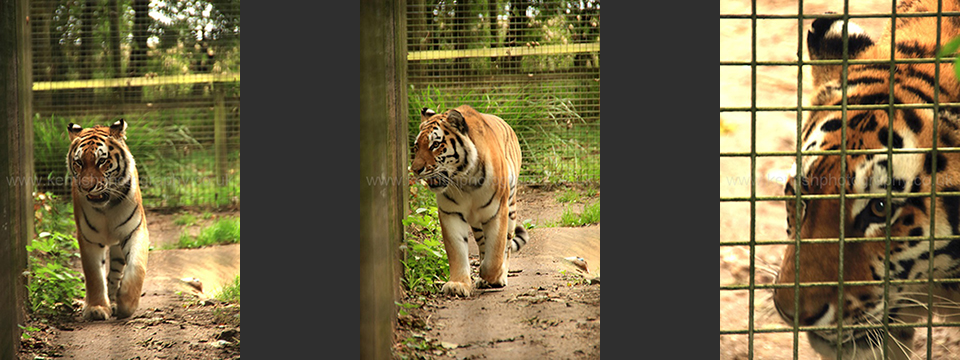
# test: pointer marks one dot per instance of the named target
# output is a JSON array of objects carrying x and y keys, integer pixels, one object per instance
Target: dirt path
[
  {"x": 174, "y": 320},
  {"x": 550, "y": 308}
]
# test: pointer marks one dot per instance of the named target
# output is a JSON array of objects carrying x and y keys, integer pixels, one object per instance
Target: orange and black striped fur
[
  {"x": 111, "y": 224},
  {"x": 903, "y": 174},
  {"x": 472, "y": 162}
]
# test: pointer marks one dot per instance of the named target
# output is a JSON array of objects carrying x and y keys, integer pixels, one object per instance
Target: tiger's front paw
[
  {"x": 96, "y": 312},
  {"x": 456, "y": 288}
]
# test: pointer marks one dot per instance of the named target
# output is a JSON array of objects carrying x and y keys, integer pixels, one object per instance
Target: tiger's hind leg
[
  {"x": 96, "y": 306},
  {"x": 493, "y": 267},
  {"x": 134, "y": 251}
]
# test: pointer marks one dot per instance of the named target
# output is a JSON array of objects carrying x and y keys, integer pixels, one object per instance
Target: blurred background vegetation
[
  {"x": 534, "y": 63},
  {"x": 171, "y": 69}
]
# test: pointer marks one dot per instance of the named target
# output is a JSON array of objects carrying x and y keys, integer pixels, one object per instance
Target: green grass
[
  {"x": 223, "y": 231},
  {"x": 230, "y": 293},
  {"x": 229, "y": 314},
  {"x": 571, "y": 195},
  {"x": 185, "y": 220},
  {"x": 589, "y": 215}
]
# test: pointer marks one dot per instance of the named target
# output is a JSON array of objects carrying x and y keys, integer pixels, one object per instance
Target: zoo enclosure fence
[
  {"x": 536, "y": 64},
  {"x": 802, "y": 18},
  {"x": 171, "y": 69}
]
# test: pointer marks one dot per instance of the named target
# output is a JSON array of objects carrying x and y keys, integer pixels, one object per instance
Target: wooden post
[
  {"x": 16, "y": 169},
  {"x": 220, "y": 142},
  {"x": 383, "y": 154}
]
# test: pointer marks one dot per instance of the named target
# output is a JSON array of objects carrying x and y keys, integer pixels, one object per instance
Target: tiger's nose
[
  {"x": 87, "y": 183},
  {"x": 810, "y": 313}
]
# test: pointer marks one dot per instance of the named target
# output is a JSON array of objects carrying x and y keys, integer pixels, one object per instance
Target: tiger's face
[
  {"x": 880, "y": 186},
  {"x": 96, "y": 163},
  {"x": 443, "y": 150}
]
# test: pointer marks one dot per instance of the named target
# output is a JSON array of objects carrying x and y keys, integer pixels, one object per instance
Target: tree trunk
[
  {"x": 202, "y": 64},
  {"x": 138, "y": 48},
  {"x": 58, "y": 64},
  {"x": 518, "y": 14},
  {"x": 40, "y": 27},
  {"x": 461, "y": 39},
  {"x": 113, "y": 45},
  {"x": 492, "y": 12},
  {"x": 87, "y": 42}
]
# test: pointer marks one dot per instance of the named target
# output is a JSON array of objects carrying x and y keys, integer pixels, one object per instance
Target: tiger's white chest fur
[{"x": 112, "y": 224}]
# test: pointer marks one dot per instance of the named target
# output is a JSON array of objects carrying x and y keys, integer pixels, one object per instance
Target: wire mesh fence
[
  {"x": 766, "y": 91},
  {"x": 171, "y": 69},
  {"x": 536, "y": 64}
]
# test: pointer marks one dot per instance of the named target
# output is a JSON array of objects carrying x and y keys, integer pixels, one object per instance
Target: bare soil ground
[
  {"x": 777, "y": 40},
  {"x": 174, "y": 321},
  {"x": 549, "y": 310}
]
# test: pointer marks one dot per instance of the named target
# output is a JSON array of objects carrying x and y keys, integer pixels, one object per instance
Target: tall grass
[
  {"x": 559, "y": 143},
  {"x": 176, "y": 169}
]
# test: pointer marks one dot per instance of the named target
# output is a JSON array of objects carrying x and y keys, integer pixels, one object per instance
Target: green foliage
[
  {"x": 401, "y": 311},
  {"x": 52, "y": 284},
  {"x": 26, "y": 331},
  {"x": 223, "y": 231},
  {"x": 589, "y": 215},
  {"x": 949, "y": 49},
  {"x": 425, "y": 260},
  {"x": 231, "y": 292}
]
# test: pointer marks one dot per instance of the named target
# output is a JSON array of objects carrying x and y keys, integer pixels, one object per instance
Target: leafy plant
[
  {"x": 26, "y": 331},
  {"x": 949, "y": 49},
  {"x": 52, "y": 283},
  {"x": 425, "y": 260}
]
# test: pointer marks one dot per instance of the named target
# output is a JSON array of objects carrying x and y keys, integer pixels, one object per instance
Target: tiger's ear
[
  {"x": 426, "y": 113},
  {"x": 119, "y": 129},
  {"x": 455, "y": 118},
  {"x": 73, "y": 130},
  {"x": 825, "y": 42}
]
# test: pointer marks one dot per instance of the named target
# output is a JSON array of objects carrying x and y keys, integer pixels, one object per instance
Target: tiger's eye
[{"x": 878, "y": 207}]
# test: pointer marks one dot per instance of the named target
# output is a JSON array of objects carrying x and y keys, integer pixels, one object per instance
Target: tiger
[
  {"x": 865, "y": 307},
  {"x": 110, "y": 219},
  {"x": 471, "y": 161}
]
